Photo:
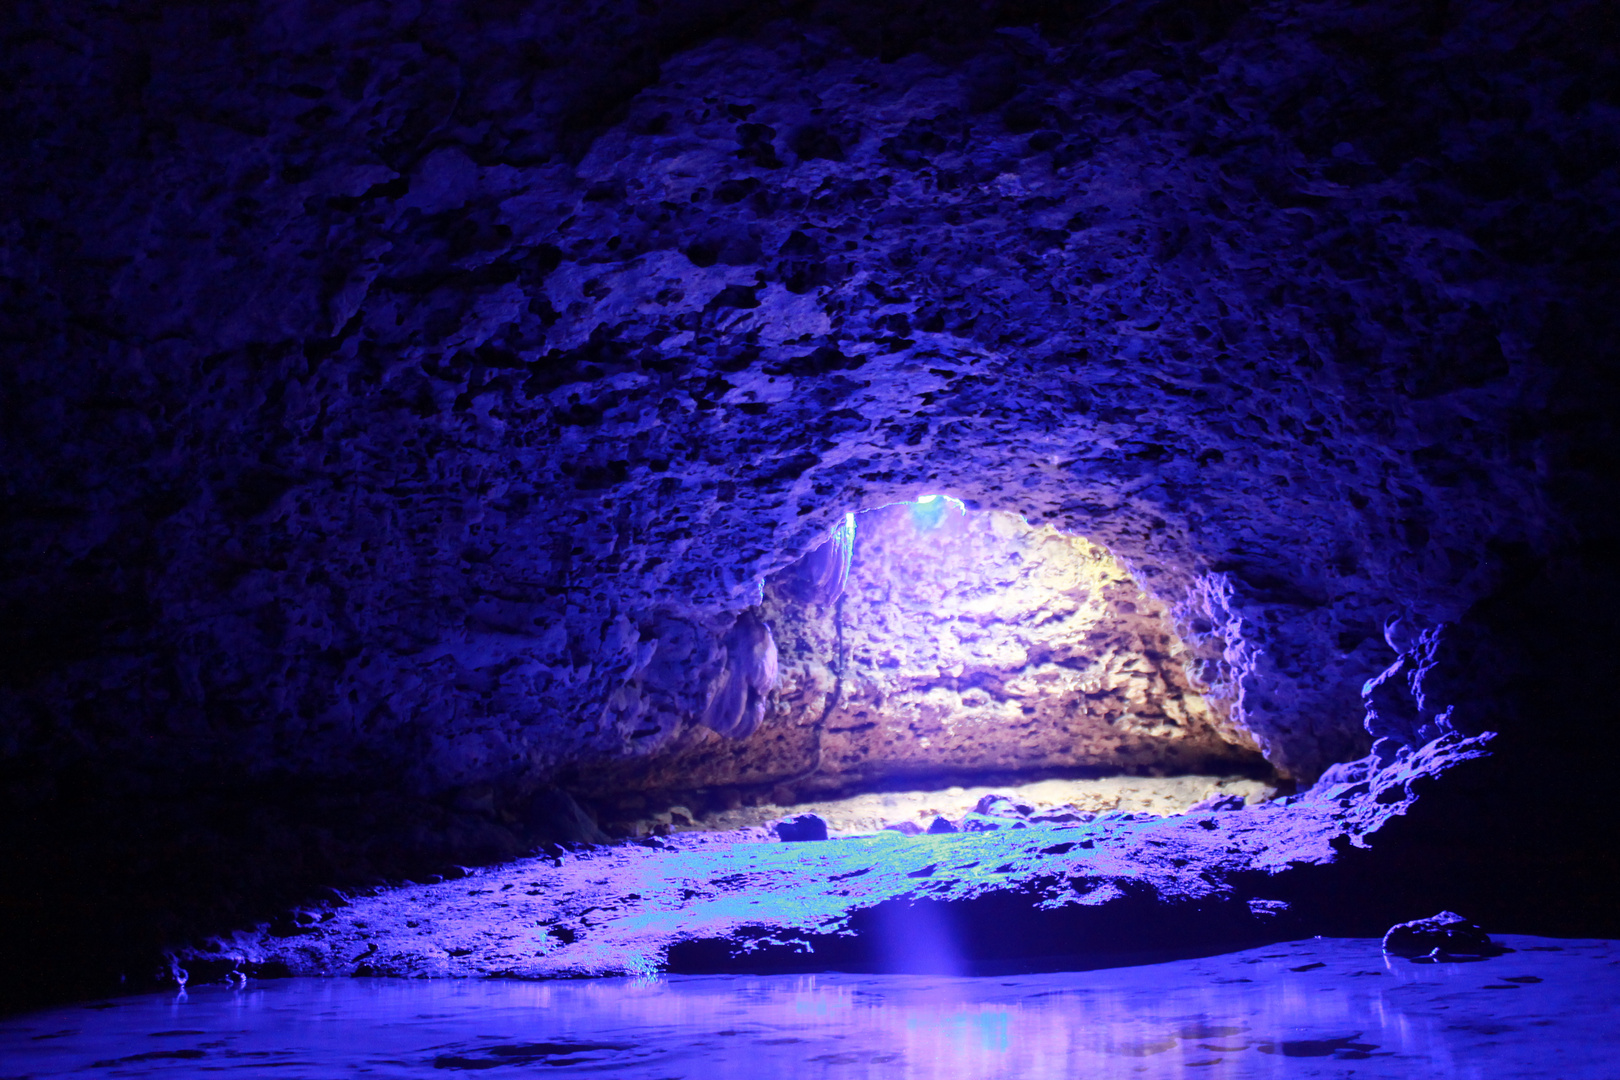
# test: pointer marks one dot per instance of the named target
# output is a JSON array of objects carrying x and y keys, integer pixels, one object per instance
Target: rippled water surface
[{"x": 1550, "y": 1008}]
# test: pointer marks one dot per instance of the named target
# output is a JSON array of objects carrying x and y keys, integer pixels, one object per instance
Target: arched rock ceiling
[
  {"x": 952, "y": 646},
  {"x": 383, "y": 380}
]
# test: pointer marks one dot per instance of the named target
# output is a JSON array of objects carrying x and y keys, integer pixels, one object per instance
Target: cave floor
[
  {"x": 1113, "y": 889},
  {"x": 1322, "y": 1007},
  {"x": 869, "y": 812},
  {"x": 1116, "y": 889}
]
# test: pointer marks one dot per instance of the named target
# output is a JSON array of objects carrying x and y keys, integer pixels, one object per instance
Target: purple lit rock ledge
[{"x": 1040, "y": 898}]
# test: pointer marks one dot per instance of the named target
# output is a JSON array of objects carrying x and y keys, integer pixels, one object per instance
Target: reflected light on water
[{"x": 1312, "y": 1008}]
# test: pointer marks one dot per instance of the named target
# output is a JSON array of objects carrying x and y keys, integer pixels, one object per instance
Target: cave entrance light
[
  {"x": 929, "y": 648},
  {"x": 972, "y": 643}
]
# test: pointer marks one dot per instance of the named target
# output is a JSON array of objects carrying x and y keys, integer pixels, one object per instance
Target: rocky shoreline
[{"x": 1070, "y": 894}]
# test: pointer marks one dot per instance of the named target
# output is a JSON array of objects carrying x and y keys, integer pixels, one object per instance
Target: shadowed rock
[
  {"x": 1445, "y": 934},
  {"x": 554, "y": 817},
  {"x": 801, "y": 828}
]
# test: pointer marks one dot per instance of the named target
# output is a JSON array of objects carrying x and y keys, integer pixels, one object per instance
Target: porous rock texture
[
  {"x": 951, "y": 643},
  {"x": 1439, "y": 936},
  {"x": 1120, "y": 890},
  {"x": 979, "y": 643},
  {"x": 403, "y": 403}
]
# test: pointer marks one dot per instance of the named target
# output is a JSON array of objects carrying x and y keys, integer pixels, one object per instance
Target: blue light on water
[{"x": 1323, "y": 1007}]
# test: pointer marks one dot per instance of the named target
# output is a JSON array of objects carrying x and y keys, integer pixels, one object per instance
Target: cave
[
  {"x": 698, "y": 461},
  {"x": 926, "y": 648}
]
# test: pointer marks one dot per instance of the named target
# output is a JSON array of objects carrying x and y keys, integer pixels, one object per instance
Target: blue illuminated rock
[
  {"x": 403, "y": 407},
  {"x": 1440, "y": 936},
  {"x": 1115, "y": 890},
  {"x": 484, "y": 429}
]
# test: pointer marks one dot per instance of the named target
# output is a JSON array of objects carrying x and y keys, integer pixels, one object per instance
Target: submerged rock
[{"x": 984, "y": 823}]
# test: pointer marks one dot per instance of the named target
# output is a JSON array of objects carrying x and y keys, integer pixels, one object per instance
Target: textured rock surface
[
  {"x": 1046, "y": 896},
  {"x": 1051, "y": 800},
  {"x": 976, "y": 642},
  {"x": 384, "y": 421},
  {"x": 959, "y": 644},
  {"x": 1443, "y": 935},
  {"x": 400, "y": 403}
]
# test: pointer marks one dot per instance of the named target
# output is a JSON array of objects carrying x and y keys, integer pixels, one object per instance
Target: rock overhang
[
  {"x": 412, "y": 392},
  {"x": 583, "y": 390},
  {"x": 924, "y": 644}
]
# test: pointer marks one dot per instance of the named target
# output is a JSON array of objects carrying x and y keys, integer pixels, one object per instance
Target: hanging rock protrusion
[
  {"x": 821, "y": 575},
  {"x": 737, "y": 698}
]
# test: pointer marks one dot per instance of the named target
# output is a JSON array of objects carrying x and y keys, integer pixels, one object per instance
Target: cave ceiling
[{"x": 390, "y": 386}]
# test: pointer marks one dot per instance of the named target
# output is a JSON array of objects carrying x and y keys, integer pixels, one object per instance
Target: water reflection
[{"x": 1315, "y": 1008}]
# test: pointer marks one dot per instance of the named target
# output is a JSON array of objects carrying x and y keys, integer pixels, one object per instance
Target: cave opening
[
  {"x": 927, "y": 662},
  {"x": 412, "y": 421}
]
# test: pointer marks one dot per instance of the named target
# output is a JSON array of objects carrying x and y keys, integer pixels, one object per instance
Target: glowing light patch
[
  {"x": 844, "y": 537},
  {"x": 929, "y": 511}
]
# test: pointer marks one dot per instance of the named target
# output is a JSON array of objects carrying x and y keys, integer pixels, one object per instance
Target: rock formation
[{"x": 407, "y": 407}]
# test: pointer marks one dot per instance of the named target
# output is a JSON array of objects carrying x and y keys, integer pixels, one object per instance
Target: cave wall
[
  {"x": 975, "y": 643},
  {"x": 950, "y": 645},
  {"x": 388, "y": 389}
]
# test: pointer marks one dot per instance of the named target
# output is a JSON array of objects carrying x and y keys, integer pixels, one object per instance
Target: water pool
[{"x": 1323, "y": 1007}]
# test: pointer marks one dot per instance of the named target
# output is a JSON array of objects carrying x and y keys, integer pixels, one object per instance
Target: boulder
[
  {"x": 800, "y": 828},
  {"x": 1444, "y": 935}
]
